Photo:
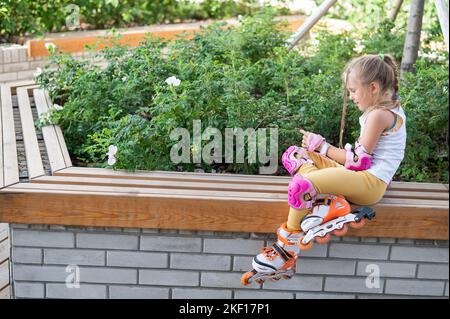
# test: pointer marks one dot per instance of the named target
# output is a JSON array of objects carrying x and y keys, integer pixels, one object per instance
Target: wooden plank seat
[
  {"x": 12, "y": 135},
  {"x": 180, "y": 200},
  {"x": 215, "y": 202}
]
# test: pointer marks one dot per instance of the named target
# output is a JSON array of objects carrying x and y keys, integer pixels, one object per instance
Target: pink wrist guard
[
  {"x": 314, "y": 141},
  {"x": 357, "y": 159}
]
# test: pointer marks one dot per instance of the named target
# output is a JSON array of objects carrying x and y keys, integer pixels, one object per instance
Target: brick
[
  {"x": 107, "y": 241},
  {"x": 6, "y": 56},
  {"x": 427, "y": 254},
  {"x": 414, "y": 287},
  {"x": 387, "y": 240},
  {"x": 387, "y": 269},
  {"x": 200, "y": 261},
  {"x": 14, "y": 54},
  {"x": 350, "y": 239},
  {"x": 325, "y": 267},
  {"x": 317, "y": 250},
  {"x": 315, "y": 295},
  {"x": 29, "y": 290},
  {"x": 359, "y": 251},
  {"x": 200, "y": 293},
  {"x": 150, "y": 231},
  {"x": 137, "y": 259},
  {"x": 168, "y": 243},
  {"x": 424, "y": 242},
  {"x": 26, "y": 255},
  {"x": 242, "y": 263},
  {"x": 351, "y": 285},
  {"x": 28, "y": 74},
  {"x": 427, "y": 271},
  {"x": 5, "y": 77},
  {"x": 39, "y": 227},
  {"x": 14, "y": 67},
  {"x": 39, "y": 273},
  {"x": 298, "y": 283},
  {"x": 232, "y": 246},
  {"x": 74, "y": 256},
  {"x": 37, "y": 238},
  {"x": 134, "y": 292},
  {"x": 108, "y": 275},
  {"x": 23, "y": 56},
  {"x": 19, "y": 226},
  {"x": 405, "y": 241},
  {"x": 84, "y": 292},
  {"x": 223, "y": 280},
  {"x": 369, "y": 240},
  {"x": 168, "y": 277},
  {"x": 247, "y": 294}
]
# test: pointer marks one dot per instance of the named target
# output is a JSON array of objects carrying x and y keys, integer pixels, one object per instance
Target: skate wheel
[
  {"x": 302, "y": 246},
  {"x": 287, "y": 277},
  {"x": 323, "y": 240},
  {"x": 358, "y": 225},
  {"x": 341, "y": 232},
  {"x": 259, "y": 281},
  {"x": 245, "y": 277}
]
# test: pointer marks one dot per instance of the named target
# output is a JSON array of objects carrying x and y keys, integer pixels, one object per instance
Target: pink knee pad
[
  {"x": 292, "y": 163},
  {"x": 301, "y": 193}
]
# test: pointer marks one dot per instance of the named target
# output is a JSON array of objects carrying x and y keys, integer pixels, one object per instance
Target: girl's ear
[{"x": 374, "y": 87}]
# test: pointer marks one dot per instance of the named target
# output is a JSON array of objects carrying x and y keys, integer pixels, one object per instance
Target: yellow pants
[{"x": 330, "y": 177}]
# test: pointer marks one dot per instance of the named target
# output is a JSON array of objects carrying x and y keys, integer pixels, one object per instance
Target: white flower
[
  {"x": 239, "y": 17},
  {"x": 173, "y": 81},
  {"x": 51, "y": 47},
  {"x": 112, "y": 150},
  {"x": 57, "y": 107},
  {"x": 111, "y": 160},
  {"x": 38, "y": 72},
  {"x": 124, "y": 79}
]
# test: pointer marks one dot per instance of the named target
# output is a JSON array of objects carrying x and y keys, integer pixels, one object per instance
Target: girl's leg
[{"x": 361, "y": 188}]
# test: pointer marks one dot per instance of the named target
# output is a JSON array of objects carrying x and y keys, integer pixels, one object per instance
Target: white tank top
[{"x": 390, "y": 149}]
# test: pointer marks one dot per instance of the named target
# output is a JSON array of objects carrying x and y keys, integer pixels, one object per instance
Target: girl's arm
[
  {"x": 377, "y": 122},
  {"x": 337, "y": 154}
]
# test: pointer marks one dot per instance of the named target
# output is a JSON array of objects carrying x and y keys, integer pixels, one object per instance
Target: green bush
[{"x": 238, "y": 76}]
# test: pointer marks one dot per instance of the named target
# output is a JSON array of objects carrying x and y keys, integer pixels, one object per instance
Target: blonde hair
[{"x": 380, "y": 68}]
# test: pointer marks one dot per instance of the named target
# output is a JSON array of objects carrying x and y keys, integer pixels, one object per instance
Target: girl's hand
[{"x": 311, "y": 141}]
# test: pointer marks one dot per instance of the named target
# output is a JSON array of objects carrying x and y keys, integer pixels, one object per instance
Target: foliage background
[{"x": 240, "y": 76}]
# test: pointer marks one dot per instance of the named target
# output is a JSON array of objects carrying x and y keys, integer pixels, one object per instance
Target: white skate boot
[{"x": 275, "y": 262}]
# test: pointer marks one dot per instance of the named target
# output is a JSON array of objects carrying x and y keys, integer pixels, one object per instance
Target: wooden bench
[{"x": 187, "y": 201}]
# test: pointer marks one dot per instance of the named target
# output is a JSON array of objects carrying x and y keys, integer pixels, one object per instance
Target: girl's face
[{"x": 361, "y": 95}]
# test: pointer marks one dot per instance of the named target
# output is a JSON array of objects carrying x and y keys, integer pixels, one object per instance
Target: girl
[{"x": 361, "y": 173}]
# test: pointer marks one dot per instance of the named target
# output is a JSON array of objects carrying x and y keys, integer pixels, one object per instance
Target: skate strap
[{"x": 281, "y": 252}]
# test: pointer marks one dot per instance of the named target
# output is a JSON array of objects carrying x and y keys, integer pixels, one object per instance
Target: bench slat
[
  {"x": 221, "y": 178},
  {"x": 55, "y": 155},
  {"x": 218, "y": 214},
  {"x": 10, "y": 162},
  {"x": 210, "y": 194},
  {"x": 59, "y": 135},
  {"x": 207, "y": 185},
  {"x": 4, "y": 274},
  {"x": 33, "y": 154}
]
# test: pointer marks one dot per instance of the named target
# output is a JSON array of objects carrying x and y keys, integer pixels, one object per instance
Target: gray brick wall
[{"x": 152, "y": 263}]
